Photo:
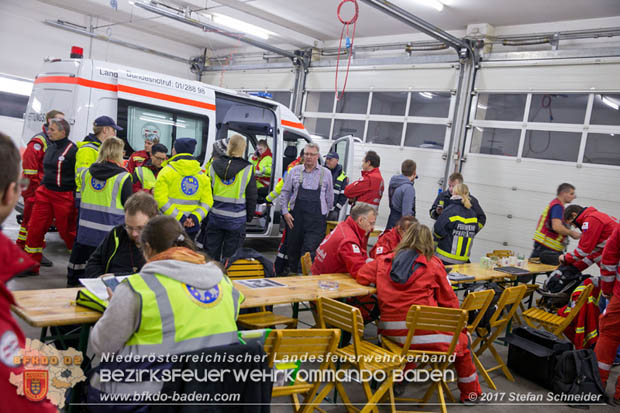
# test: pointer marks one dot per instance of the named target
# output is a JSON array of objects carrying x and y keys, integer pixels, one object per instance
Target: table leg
[
  {"x": 78, "y": 388},
  {"x": 43, "y": 334}
]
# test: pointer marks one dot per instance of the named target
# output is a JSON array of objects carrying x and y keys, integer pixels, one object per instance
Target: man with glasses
[
  {"x": 144, "y": 176},
  {"x": 307, "y": 198},
  {"x": 119, "y": 253}
]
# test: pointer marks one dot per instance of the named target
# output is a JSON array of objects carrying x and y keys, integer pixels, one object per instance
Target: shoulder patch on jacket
[
  {"x": 584, "y": 226},
  {"x": 9, "y": 348},
  {"x": 356, "y": 249}
]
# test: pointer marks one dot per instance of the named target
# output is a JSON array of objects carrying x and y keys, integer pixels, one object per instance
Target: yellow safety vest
[{"x": 86, "y": 155}]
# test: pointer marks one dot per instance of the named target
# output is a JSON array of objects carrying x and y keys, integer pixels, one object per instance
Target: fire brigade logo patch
[
  {"x": 204, "y": 298},
  {"x": 229, "y": 181},
  {"x": 96, "y": 184},
  {"x": 35, "y": 384},
  {"x": 189, "y": 185},
  {"x": 37, "y": 147}
]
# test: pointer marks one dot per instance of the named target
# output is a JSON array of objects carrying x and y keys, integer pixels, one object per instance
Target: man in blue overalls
[{"x": 308, "y": 194}]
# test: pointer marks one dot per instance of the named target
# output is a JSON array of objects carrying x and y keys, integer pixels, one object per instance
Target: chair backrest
[
  {"x": 511, "y": 296},
  {"x": 245, "y": 269},
  {"x": 299, "y": 344},
  {"x": 335, "y": 314},
  {"x": 306, "y": 263},
  {"x": 446, "y": 320},
  {"x": 583, "y": 298},
  {"x": 477, "y": 301}
]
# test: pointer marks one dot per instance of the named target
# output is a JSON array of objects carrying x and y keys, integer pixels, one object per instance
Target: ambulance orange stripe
[
  {"x": 127, "y": 89},
  {"x": 292, "y": 124}
]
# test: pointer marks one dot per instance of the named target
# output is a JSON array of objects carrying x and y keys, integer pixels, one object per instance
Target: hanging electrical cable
[{"x": 348, "y": 43}]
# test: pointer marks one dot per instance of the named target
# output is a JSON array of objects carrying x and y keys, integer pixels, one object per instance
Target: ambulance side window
[{"x": 141, "y": 121}]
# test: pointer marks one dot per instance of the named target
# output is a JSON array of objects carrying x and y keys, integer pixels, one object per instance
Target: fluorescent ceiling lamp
[
  {"x": 436, "y": 4},
  {"x": 427, "y": 95},
  {"x": 16, "y": 87},
  {"x": 609, "y": 102},
  {"x": 242, "y": 26}
]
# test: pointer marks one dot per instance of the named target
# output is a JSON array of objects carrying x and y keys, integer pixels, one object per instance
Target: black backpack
[
  {"x": 559, "y": 286},
  {"x": 484, "y": 325},
  {"x": 576, "y": 373}
]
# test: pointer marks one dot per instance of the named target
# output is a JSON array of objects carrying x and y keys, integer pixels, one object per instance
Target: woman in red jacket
[
  {"x": 389, "y": 239},
  {"x": 412, "y": 275}
]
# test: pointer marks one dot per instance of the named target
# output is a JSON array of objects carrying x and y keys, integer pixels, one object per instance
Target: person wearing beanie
[{"x": 182, "y": 189}]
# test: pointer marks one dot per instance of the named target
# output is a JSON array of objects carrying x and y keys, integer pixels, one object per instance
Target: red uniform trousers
[
  {"x": 50, "y": 205},
  {"x": 463, "y": 363},
  {"x": 28, "y": 197},
  {"x": 608, "y": 341}
]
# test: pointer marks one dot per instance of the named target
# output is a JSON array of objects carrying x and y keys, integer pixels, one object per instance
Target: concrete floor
[{"x": 55, "y": 277}]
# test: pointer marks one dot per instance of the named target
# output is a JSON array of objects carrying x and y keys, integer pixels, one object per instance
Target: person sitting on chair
[
  {"x": 413, "y": 276},
  {"x": 389, "y": 239}
]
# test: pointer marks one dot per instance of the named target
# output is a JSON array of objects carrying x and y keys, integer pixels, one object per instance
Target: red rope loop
[{"x": 346, "y": 24}]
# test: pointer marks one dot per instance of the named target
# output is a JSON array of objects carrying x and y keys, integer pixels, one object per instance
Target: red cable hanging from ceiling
[{"x": 348, "y": 44}]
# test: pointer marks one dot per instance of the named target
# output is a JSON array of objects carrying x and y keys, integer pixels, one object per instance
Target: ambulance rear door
[{"x": 345, "y": 147}]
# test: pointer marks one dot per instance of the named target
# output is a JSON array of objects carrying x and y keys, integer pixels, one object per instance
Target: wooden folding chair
[
  {"x": 537, "y": 317},
  {"x": 366, "y": 357},
  {"x": 511, "y": 297},
  {"x": 445, "y": 320},
  {"x": 529, "y": 296},
  {"x": 252, "y": 269},
  {"x": 299, "y": 344},
  {"x": 478, "y": 301},
  {"x": 306, "y": 263}
]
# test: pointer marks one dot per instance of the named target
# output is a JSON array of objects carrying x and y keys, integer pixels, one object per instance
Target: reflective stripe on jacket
[
  {"x": 544, "y": 233},
  {"x": 88, "y": 151},
  {"x": 454, "y": 231},
  {"x": 229, "y": 203}
]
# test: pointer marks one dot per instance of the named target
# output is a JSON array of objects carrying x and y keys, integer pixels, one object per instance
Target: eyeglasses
[
  {"x": 311, "y": 154},
  {"x": 161, "y": 158},
  {"x": 130, "y": 229}
]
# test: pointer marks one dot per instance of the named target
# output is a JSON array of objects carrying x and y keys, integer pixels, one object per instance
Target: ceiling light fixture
[
  {"x": 16, "y": 87},
  {"x": 427, "y": 95},
  {"x": 436, "y": 4},
  {"x": 609, "y": 102},
  {"x": 242, "y": 26},
  {"x": 483, "y": 107}
]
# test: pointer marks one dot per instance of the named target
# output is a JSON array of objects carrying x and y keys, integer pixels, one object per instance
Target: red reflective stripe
[
  {"x": 122, "y": 88},
  {"x": 292, "y": 124},
  {"x": 60, "y": 164}
]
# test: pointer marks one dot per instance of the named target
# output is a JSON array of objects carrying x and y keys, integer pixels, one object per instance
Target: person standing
[
  {"x": 456, "y": 227},
  {"x": 443, "y": 200},
  {"x": 139, "y": 158},
  {"x": 32, "y": 167},
  {"x": 609, "y": 323},
  {"x": 145, "y": 175},
  {"x": 104, "y": 127},
  {"x": 12, "y": 261},
  {"x": 402, "y": 193},
  {"x": 340, "y": 181},
  {"x": 106, "y": 186},
  {"x": 308, "y": 193},
  {"x": 262, "y": 160},
  {"x": 551, "y": 231},
  {"x": 54, "y": 199},
  {"x": 369, "y": 188},
  {"x": 182, "y": 190},
  {"x": 234, "y": 200}
]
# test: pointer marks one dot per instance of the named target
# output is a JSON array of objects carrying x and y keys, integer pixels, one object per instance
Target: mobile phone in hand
[{"x": 110, "y": 281}]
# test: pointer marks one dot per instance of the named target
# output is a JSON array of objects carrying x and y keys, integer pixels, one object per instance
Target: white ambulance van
[{"x": 151, "y": 104}]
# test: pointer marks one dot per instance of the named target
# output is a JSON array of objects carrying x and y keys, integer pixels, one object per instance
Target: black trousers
[
  {"x": 540, "y": 248},
  {"x": 77, "y": 262},
  {"x": 307, "y": 233},
  {"x": 223, "y": 243}
]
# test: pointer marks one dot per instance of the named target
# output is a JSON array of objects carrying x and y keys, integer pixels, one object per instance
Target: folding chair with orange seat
[
  {"x": 511, "y": 297},
  {"x": 361, "y": 355},
  {"x": 478, "y": 301},
  {"x": 298, "y": 345},
  {"x": 252, "y": 269},
  {"x": 537, "y": 317},
  {"x": 436, "y": 319}
]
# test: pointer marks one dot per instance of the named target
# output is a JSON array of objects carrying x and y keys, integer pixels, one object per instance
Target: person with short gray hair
[
  {"x": 307, "y": 197},
  {"x": 344, "y": 250}
]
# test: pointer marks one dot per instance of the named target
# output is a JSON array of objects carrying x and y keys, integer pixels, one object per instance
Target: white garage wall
[
  {"x": 25, "y": 41},
  {"x": 513, "y": 190},
  {"x": 267, "y": 80}
]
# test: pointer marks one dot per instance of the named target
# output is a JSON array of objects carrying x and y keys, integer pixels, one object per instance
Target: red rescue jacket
[
  {"x": 427, "y": 284},
  {"x": 342, "y": 251},
  {"x": 32, "y": 162},
  {"x": 595, "y": 227},
  {"x": 583, "y": 331},
  {"x": 138, "y": 158},
  {"x": 610, "y": 271},
  {"x": 386, "y": 244},
  {"x": 367, "y": 189},
  {"x": 12, "y": 261}
]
